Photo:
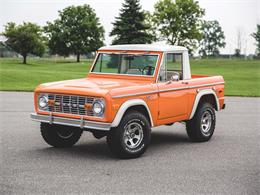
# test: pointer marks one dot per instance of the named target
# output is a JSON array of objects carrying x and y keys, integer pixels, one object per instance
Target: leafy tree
[
  {"x": 77, "y": 31},
  {"x": 178, "y": 21},
  {"x": 256, "y": 35},
  {"x": 24, "y": 39},
  {"x": 151, "y": 30},
  {"x": 57, "y": 42},
  {"x": 213, "y": 38},
  {"x": 130, "y": 26}
]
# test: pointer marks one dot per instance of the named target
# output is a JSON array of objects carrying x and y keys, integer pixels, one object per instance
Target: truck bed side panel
[{"x": 202, "y": 82}]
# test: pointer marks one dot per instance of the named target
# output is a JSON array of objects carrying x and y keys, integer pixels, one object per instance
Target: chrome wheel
[
  {"x": 65, "y": 134},
  {"x": 206, "y": 121},
  {"x": 133, "y": 135}
]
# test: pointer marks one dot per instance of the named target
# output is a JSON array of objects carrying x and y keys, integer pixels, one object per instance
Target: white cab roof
[{"x": 145, "y": 47}]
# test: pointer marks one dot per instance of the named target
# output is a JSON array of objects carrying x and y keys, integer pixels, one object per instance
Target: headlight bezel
[
  {"x": 100, "y": 102},
  {"x": 45, "y": 99}
]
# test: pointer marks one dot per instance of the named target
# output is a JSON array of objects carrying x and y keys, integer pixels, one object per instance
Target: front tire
[
  {"x": 132, "y": 136},
  {"x": 201, "y": 127},
  {"x": 60, "y": 136}
]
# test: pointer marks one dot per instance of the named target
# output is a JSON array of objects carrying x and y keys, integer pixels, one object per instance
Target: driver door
[{"x": 173, "y": 94}]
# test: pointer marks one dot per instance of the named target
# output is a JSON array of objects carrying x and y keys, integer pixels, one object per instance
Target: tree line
[{"x": 77, "y": 30}]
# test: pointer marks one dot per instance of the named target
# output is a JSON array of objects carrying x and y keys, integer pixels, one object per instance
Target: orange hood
[{"x": 94, "y": 86}]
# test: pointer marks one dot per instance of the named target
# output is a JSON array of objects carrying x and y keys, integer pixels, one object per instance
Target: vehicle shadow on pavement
[
  {"x": 98, "y": 149},
  {"x": 162, "y": 138},
  {"x": 167, "y": 140}
]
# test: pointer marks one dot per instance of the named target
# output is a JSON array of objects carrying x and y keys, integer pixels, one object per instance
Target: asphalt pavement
[{"x": 227, "y": 164}]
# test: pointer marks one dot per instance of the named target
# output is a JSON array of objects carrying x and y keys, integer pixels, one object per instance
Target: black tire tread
[
  {"x": 50, "y": 136},
  {"x": 193, "y": 125},
  {"x": 113, "y": 138}
]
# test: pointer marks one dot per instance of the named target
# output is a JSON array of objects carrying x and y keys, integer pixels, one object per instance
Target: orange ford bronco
[{"x": 129, "y": 90}]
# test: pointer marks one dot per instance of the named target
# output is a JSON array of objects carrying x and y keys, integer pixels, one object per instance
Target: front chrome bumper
[{"x": 82, "y": 123}]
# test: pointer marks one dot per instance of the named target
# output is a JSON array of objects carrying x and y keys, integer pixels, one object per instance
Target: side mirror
[{"x": 175, "y": 77}]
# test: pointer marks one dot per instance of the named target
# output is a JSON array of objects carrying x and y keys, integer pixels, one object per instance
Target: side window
[
  {"x": 163, "y": 72},
  {"x": 172, "y": 66}
]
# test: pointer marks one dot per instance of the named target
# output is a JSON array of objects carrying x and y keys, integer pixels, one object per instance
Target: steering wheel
[{"x": 150, "y": 69}]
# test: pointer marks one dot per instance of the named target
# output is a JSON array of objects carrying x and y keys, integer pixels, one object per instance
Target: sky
[{"x": 233, "y": 15}]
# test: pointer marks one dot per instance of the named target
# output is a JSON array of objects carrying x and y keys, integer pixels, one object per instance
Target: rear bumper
[{"x": 81, "y": 123}]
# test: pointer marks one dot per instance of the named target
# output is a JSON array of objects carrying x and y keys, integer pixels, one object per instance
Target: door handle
[{"x": 185, "y": 82}]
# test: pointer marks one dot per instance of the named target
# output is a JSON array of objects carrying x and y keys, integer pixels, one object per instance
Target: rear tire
[
  {"x": 131, "y": 137},
  {"x": 201, "y": 127},
  {"x": 60, "y": 136}
]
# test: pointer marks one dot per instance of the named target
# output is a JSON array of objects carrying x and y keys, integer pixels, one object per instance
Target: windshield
[{"x": 131, "y": 64}]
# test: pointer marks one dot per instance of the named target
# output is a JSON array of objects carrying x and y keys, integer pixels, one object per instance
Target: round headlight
[
  {"x": 43, "y": 102},
  {"x": 98, "y": 107}
]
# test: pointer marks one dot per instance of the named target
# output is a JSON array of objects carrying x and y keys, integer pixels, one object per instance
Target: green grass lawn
[
  {"x": 16, "y": 76},
  {"x": 242, "y": 76}
]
